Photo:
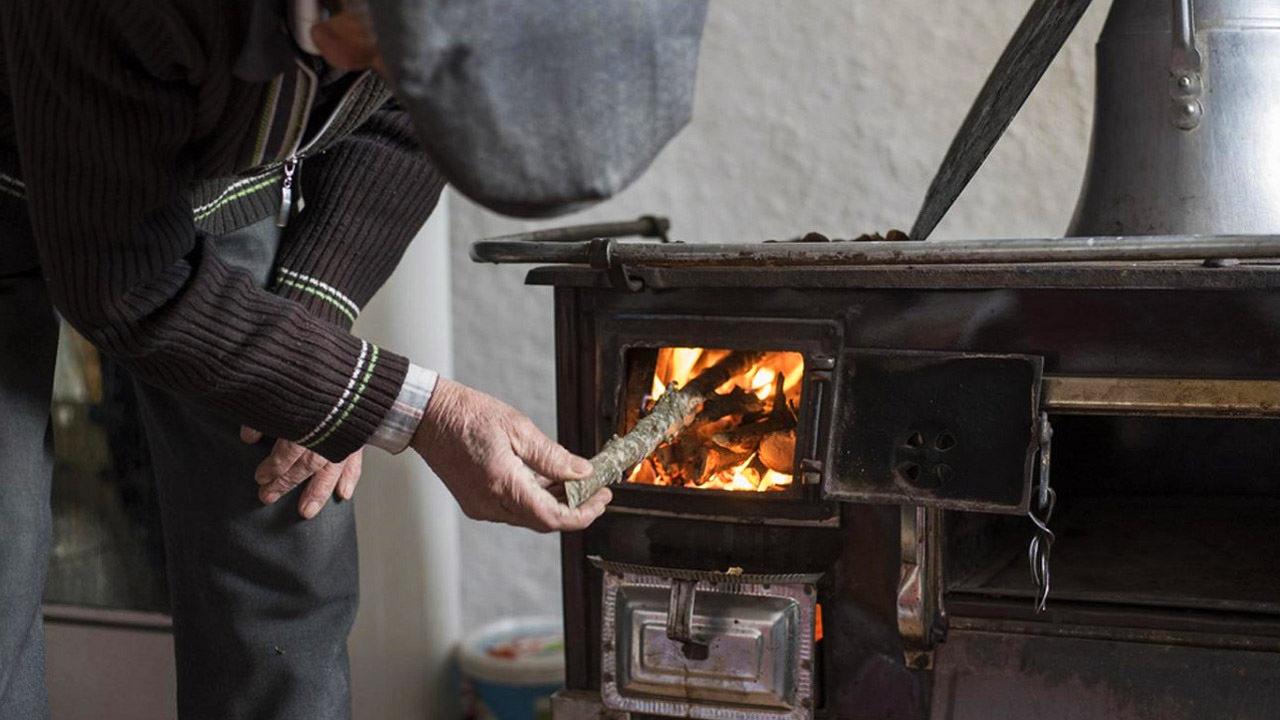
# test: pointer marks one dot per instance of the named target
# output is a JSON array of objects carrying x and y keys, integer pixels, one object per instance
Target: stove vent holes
[{"x": 920, "y": 457}]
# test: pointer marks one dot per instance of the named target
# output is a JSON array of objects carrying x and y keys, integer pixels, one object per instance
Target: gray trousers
[{"x": 262, "y": 600}]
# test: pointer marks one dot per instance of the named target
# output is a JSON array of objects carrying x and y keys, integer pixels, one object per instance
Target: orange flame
[{"x": 677, "y": 366}]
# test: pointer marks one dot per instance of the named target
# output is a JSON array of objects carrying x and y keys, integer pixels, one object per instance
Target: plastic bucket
[{"x": 513, "y": 666}]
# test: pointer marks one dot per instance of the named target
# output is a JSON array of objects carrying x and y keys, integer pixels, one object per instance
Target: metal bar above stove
[
  {"x": 1166, "y": 397},
  {"x": 613, "y": 254},
  {"x": 650, "y": 226},
  {"x": 1033, "y": 47}
]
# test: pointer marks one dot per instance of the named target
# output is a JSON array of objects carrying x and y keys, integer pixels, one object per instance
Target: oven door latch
[{"x": 1040, "y": 513}]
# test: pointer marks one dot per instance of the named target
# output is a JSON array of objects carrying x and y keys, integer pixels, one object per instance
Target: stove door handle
[{"x": 680, "y": 611}]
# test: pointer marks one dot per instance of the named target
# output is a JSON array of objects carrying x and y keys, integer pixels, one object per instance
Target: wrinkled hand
[
  {"x": 498, "y": 464},
  {"x": 290, "y": 464}
]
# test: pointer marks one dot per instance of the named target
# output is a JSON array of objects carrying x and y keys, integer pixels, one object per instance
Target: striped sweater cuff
[
  {"x": 368, "y": 396},
  {"x": 322, "y": 299}
]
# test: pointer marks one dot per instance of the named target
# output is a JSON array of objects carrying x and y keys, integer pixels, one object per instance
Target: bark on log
[{"x": 674, "y": 410}]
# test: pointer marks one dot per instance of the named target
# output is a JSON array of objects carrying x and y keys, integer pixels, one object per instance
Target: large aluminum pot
[{"x": 1186, "y": 131}]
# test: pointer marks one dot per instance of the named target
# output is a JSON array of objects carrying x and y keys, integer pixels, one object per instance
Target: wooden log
[
  {"x": 674, "y": 410},
  {"x": 719, "y": 459},
  {"x": 737, "y": 402},
  {"x": 747, "y": 437},
  {"x": 778, "y": 451}
]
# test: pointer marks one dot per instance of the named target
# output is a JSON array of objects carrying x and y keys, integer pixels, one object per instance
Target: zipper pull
[
  {"x": 300, "y": 204},
  {"x": 286, "y": 192}
]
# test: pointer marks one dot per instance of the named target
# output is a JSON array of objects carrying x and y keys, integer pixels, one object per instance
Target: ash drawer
[{"x": 698, "y": 644}]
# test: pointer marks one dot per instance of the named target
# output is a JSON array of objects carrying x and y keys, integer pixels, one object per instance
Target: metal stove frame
[{"x": 1128, "y": 339}]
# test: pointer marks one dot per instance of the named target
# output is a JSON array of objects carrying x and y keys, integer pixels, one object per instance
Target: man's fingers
[
  {"x": 283, "y": 456},
  {"x": 306, "y": 465},
  {"x": 319, "y": 490},
  {"x": 350, "y": 475},
  {"x": 285, "y": 469},
  {"x": 580, "y": 517},
  {"x": 549, "y": 514},
  {"x": 282, "y": 484},
  {"x": 249, "y": 435},
  {"x": 548, "y": 458},
  {"x": 273, "y": 491}
]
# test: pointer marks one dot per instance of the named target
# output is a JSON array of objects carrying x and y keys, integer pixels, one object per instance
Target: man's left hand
[{"x": 290, "y": 464}]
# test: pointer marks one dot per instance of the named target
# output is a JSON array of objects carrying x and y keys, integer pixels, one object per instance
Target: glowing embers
[{"x": 744, "y": 438}]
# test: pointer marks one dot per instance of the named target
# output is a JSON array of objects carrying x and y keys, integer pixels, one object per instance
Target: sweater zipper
[
  {"x": 286, "y": 192},
  {"x": 293, "y": 164},
  {"x": 290, "y": 165}
]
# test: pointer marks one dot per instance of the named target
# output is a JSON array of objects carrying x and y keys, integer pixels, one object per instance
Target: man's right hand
[{"x": 498, "y": 464}]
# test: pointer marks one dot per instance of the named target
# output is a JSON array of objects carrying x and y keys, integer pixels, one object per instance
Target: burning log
[
  {"x": 672, "y": 413},
  {"x": 718, "y": 460},
  {"x": 736, "y": 402},
  {"x": 747, "y": 437},
  {"x": 778, "y": 451}
]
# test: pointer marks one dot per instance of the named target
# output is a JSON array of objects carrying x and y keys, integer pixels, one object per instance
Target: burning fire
[{"x": 745, "y": 436}]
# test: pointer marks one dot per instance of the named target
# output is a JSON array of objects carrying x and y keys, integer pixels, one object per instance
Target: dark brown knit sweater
[{"x": 120, "y": 117}]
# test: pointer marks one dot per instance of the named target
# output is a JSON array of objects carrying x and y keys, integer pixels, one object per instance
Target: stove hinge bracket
[
  {"x": 1186, "y": 85},
  {"x": 620, "y": 276},
  {"x": 922, "y": 621}
]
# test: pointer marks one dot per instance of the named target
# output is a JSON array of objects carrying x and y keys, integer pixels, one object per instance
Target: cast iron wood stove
[
  {"x": 960, "y": 479},
  {"x": 918, "y": 458}
]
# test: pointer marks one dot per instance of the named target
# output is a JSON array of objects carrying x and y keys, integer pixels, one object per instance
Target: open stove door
[{"x": 938, "y": 429}]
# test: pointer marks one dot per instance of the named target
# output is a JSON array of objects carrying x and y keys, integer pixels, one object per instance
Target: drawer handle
[{"x": 680, "y": 611}]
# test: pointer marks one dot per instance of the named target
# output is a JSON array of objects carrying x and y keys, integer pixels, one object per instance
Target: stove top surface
[{"x": 1188, "y": 275}]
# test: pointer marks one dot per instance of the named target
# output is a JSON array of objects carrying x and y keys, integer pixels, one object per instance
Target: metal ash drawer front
[
  {"x": 707, "y": 645},
  {"x": 953, "y": 430}
]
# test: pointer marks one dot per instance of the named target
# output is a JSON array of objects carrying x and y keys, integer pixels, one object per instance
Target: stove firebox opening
[{"x": 744, "y": 437}]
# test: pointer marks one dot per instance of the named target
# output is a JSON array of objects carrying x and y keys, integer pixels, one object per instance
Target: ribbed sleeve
[
  {"x": 366, "y": 197},
  {"x": 106, "y": 117}
]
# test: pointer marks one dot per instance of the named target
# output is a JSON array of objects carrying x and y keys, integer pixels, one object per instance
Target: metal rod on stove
[
  {"x": 1163, "y": 397},
  {"x": 847, "y": 253},
  {"x": 650, "y": 226}
]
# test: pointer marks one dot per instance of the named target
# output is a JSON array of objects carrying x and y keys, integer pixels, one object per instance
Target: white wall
[
  {"x": 409, "y": 616},
  {"x": 811, "y": 115}
]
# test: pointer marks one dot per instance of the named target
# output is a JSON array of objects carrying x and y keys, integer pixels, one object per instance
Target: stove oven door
[{"x": 937, "y": 429}]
